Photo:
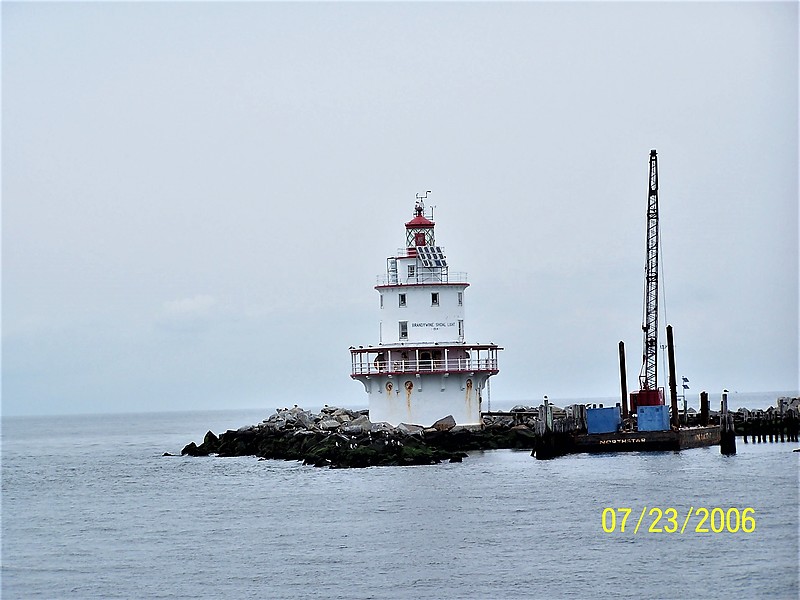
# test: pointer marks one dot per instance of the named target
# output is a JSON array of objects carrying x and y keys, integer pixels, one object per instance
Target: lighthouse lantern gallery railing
[
  {"x": 381, "y": 361},
  {"x": 422, "y": 276}
]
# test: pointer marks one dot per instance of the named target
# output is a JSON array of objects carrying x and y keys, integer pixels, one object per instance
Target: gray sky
[{"x": 197, "y": 197}]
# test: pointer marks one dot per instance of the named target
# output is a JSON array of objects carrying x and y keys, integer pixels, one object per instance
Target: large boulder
[
  {"x": 303, "y": 433},
  {"x": 329, "y": 424},
  {"x": 290, "y": 419},
  {"x": 361, "y": 422},
  {"x": 351, "y": 429},
  {"x": 524, "y": 433},
  {"x": 343, "y": 414},
  {"x": 379, "y": 427},
  {"x": 210, "y": 444},
  {"x": 444, "y": 424},
  {"x": 305, "y": 419},
  {"x": 192, "y": 450},
  {"x": 500, "y": 422},
  {"x": 410, "y": 429}
]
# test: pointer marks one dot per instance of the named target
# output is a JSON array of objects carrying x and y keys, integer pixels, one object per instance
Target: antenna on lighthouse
[{"x": 420, "y": 206}]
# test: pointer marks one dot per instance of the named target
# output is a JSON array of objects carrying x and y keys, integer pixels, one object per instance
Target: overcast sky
[{"x": 197, "y": 197}]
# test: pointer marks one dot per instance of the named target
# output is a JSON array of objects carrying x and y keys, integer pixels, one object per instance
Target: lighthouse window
[
  {"x": 381, "y": 300},
  {"x": 435, "y": 299},
  {"x": 402, "y": 299},
  {"x": 460, "y": 328},
  {"x": 460, "y": 298},
  {"x": 411, "y": 270},
  {"x": 403, "y": 330}
]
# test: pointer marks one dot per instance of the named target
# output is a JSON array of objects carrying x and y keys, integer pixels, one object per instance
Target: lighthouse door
[{"x": 425, "y": 360}]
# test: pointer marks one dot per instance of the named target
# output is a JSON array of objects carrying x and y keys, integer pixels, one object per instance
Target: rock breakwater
[{"x": 342, "y": 438}]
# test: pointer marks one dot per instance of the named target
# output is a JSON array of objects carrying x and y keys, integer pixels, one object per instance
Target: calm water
[{"x": 92, "y": 510}]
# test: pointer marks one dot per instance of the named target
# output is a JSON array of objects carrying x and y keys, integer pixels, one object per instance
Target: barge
[
  {"x": 648, "y": 441},
  {"x": 597, "y": 430}
]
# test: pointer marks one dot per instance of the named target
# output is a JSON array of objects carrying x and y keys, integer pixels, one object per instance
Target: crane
[{"x": 649, "y": 394}]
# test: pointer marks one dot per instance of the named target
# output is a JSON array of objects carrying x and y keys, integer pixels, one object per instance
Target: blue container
[
  {"x": 603, "y": 420},
  {"x": 653, "y": 418}
]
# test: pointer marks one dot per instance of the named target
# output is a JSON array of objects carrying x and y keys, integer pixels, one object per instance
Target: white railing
[
  {"x": 424, "y": 366},
  {"x": 423, "y": 276}
]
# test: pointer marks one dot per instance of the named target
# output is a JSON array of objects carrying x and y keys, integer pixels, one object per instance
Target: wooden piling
[
  {"x": 673, "y": 390},
  {"x": 704, "y": 408},
  {"x": 547, "y": 444},
  {"x": 623, "y": 380},
  {"x": 727, "y": 442}
]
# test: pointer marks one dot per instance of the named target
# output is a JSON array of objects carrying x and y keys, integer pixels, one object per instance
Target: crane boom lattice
[{"x": 647, "y": 377}]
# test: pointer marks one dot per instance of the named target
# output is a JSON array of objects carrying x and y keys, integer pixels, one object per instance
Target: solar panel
[{"x": 431, "y": 256}]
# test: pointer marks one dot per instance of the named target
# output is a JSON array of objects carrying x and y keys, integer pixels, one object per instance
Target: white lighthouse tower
[{"x": 422, "y": 369}]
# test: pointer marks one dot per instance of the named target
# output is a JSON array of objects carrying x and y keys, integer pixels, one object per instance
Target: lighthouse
[{"x": 422, "y": 369}]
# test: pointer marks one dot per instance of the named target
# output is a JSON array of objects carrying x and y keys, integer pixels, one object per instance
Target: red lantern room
[{"x": 419, "y": 230}]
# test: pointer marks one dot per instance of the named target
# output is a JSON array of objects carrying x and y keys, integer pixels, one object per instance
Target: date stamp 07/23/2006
[{"x": 672, "y": 520}]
